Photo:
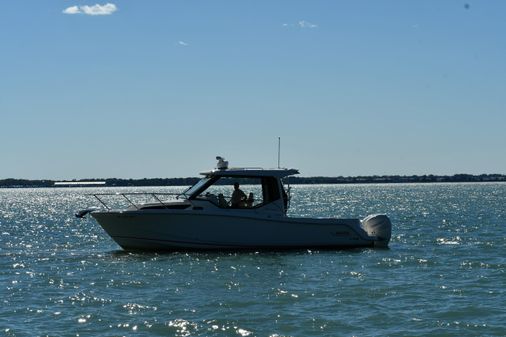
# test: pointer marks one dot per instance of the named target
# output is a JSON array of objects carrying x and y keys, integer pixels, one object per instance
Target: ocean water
[{"x": 443, "y": 274}]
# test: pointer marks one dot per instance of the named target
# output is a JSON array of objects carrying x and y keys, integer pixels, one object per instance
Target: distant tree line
[
  {"x": 389, "y": 179},
  {"x": 26, "y": 183},
  {"x": 116, "y": 182}
]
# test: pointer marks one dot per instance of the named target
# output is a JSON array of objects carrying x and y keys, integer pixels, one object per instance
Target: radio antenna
[{"x": 279, "y": 151}]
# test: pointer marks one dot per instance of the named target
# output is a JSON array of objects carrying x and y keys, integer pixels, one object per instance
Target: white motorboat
[{"x": 202, "y": 217}]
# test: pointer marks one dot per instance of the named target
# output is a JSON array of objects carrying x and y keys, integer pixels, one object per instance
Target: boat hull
[{"x": 178, "y": 230}]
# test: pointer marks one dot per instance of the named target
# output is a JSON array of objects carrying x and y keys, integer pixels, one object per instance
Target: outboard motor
[{"x": 378, "y": 225}]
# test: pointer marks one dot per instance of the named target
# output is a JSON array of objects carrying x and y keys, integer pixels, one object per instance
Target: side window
[{"x": 224, "y": 194}]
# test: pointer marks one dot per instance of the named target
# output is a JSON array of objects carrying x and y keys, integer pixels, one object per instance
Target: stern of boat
[{"x": 379, "y": 227}]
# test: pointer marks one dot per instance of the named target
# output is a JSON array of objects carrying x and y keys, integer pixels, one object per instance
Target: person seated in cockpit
[
  {"x": 238, "y": 197},
  {"x": 222, "y": 202},
  {"x": 250, "y": 200}
]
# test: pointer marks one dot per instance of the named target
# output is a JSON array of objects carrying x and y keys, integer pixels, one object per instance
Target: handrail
[
  {"x": 139, "y": 193},
  {"x": 130, "y": 201},
  {"x": 124, "y": 195},
  {"x": 103, "y": 203}
]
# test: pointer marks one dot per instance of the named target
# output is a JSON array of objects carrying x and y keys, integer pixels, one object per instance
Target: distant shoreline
[{"x": 388, "y": 179}]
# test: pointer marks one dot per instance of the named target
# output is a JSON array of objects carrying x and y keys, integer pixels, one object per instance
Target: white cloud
[
  {"x": 182, "y": 43},
  {"x": 305, "y": 24},
  {"x": 71, "y": 10},
  {"x": 302, "y": 24},
  {"x": 96, "y": 9}
]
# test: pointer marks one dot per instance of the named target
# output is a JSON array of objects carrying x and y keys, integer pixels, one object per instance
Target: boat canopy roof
[{"x": 250, "y": 172}]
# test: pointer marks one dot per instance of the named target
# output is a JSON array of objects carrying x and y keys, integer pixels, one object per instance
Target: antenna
[{"x": 279, "y": 151}]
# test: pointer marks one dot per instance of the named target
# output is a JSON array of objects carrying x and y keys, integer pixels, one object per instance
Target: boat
[{"x": 205, "y": 218}]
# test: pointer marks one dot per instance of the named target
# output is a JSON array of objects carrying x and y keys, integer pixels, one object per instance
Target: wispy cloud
[
  {"x": 306, "y": 24},
  {"x": 302, "y": 24},
  {"x": 106, "y": 9},
  {"x": 182, "y": 43}
]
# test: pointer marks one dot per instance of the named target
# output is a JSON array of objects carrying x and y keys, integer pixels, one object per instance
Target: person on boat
[
  {"x": 222, "y": 202},
  {"x": 250, "y": 200},
  {"x": 238, "y": 197}
]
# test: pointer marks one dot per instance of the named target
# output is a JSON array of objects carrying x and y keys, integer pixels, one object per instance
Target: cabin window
[{"x": 257, "y": 191}]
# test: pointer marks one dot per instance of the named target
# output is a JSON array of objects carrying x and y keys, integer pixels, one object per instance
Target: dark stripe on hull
[{"x": 146, "y": 244}]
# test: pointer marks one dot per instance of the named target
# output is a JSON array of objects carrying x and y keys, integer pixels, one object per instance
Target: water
[{"x": 444, "y": 273}]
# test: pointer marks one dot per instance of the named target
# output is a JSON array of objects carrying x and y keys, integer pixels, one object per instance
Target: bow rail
[{"x": 159, "y": 197}]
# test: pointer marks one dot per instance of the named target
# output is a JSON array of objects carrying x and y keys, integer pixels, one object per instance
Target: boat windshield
[{"x": 189, "y": 192}]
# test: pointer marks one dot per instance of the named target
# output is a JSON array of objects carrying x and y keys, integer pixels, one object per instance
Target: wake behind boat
[{"x": 202, "y": 217}]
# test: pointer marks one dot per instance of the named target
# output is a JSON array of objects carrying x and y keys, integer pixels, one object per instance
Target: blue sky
[{"x": 159, "y": 88}]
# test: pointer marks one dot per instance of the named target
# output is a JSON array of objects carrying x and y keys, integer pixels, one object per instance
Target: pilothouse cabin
[{"x": 263, "y": 188}]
